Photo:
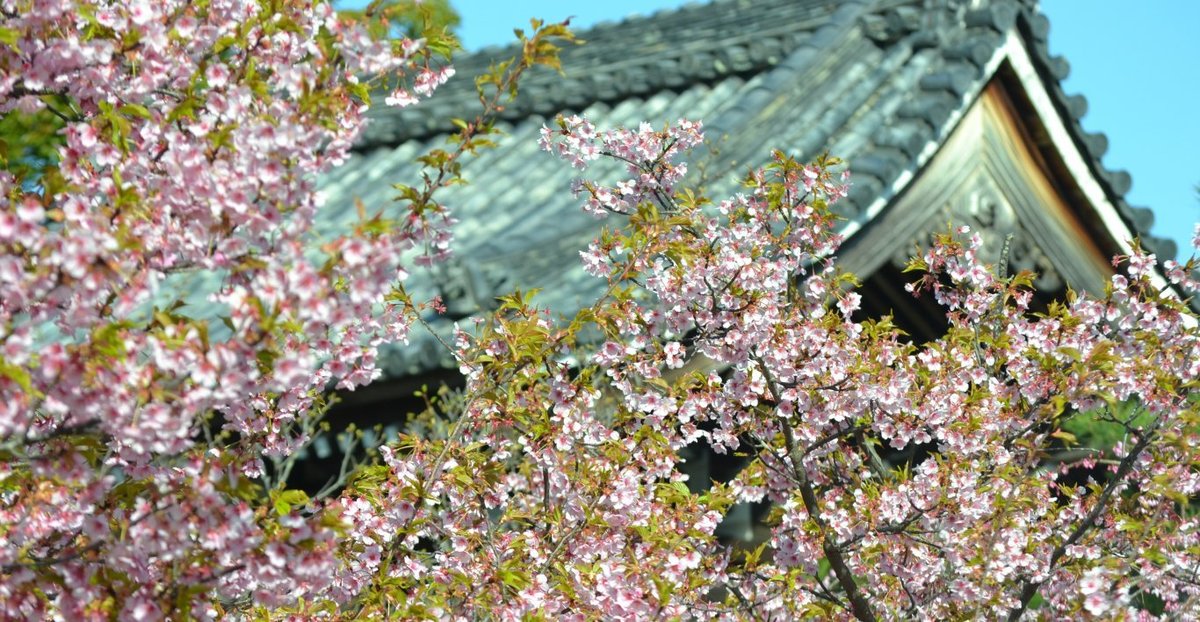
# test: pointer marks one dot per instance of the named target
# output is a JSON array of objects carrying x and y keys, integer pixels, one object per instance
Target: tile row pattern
[{"x": 876, "y": 82}]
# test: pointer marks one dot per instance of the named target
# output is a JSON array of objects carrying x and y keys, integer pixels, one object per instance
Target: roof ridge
[{"x": 669, "y": 49}]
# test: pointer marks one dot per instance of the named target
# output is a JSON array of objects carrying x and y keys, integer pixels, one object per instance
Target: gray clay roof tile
[{"x": 872, "y": 81}]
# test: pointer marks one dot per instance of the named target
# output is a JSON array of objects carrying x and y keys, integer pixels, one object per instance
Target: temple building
[{"x": 945, "y": 111}]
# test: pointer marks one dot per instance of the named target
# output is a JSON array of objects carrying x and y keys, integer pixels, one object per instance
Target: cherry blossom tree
[
  {"x": 142, "y": 442},
  {"x": 134, "y": 432}
]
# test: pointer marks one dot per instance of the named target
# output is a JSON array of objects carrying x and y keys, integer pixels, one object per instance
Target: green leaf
[
  {"x": 286, "y": 500},
  {"x": 1066, "y": 437},
  {"x": 17, "y": 374},
  {"x": 266, "y": 360},
  {"x": 9, "y": 37},
  {"x": 291, "y": 499},
  {"x": 1074, "y": 353},
  {"x": 135, "y": 110}
]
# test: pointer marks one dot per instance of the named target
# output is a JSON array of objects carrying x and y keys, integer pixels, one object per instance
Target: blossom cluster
[
  {"x": 910, "y": 480},
  {"x": 648, "y": 155},
  {"x": 144, "y": 446},
  {"x": 192, "y": 135}
]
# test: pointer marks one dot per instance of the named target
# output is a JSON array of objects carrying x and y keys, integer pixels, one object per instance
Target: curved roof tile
[{"x": 873, "y": 81}]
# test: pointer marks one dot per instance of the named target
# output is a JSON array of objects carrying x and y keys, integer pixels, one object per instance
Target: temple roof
[{"x": 879, "y": 83}]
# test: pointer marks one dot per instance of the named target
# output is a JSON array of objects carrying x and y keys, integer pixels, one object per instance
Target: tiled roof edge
[
  {"x": 1035, "y": 27},
  {"x": 968, "y": 43},
  {"x": 545, "y": 92}
]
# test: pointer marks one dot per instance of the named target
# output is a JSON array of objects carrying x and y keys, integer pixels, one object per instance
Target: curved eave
[
  {"x": 930, "y": 149},
  {"x": 1076, "y": 167}
]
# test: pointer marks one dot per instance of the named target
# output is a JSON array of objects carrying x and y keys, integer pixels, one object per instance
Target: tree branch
[
  {"x": 1030, "y": 587},
  {"x": 858, "y": 603}
]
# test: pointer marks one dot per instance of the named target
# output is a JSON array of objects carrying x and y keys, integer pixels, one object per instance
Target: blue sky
[{"x": 1138, "y": 64}]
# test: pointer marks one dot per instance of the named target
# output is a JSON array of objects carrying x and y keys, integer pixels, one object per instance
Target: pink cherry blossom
[{"x": 146, "y": 449}]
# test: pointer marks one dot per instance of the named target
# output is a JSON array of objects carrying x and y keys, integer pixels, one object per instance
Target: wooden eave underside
[{"x": 1002, "y": 169}]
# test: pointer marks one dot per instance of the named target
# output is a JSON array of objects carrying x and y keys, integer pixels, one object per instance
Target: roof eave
[
  {"x": 1015, "y": 56},
  {"x": 1079, "y": 165},
  {"x": 930, "y": 149}
]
